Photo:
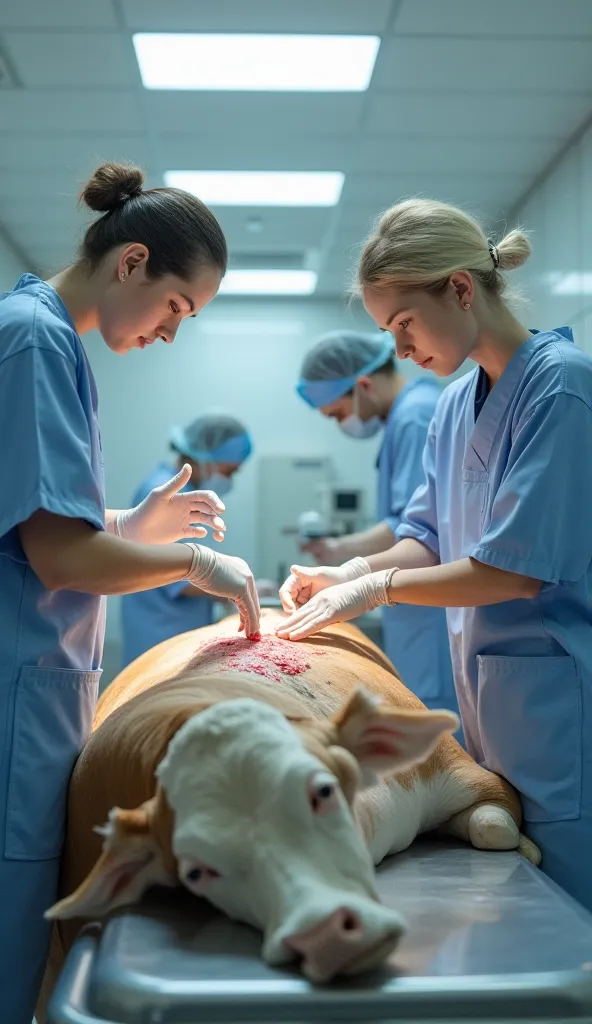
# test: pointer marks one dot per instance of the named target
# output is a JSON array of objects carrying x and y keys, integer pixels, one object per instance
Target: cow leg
[{"x": 490, "y": 827}]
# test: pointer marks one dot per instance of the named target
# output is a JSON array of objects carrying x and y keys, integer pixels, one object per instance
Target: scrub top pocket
[
  {"x": 53, "y": 716},
  {"x": 530, "y": 720}
]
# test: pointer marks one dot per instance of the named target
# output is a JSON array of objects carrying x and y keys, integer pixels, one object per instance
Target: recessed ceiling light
[
  {"x": 260, "y": 188},
  {"x": 268, "y": 282},
  {"x": 274, "y": 63}
]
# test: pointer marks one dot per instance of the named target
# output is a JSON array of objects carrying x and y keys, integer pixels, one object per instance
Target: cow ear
[
  {"x": 129, "y": 864},
  {"x": 383, "y": 738}
]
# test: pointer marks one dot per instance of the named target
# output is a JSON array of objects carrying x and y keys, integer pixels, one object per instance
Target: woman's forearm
[
  {"x": 466, "y": 583},
  {"x": 405, "y": 554},
  {"x": 69, "y": 554}
]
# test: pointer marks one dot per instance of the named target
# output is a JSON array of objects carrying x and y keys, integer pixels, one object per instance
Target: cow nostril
[{"x": 350, "y": 923}]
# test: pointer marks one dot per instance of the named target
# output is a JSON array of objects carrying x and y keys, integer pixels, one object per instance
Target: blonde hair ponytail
[{"x": 419, "y": 243}]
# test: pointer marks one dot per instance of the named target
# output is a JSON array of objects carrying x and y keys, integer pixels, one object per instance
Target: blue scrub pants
[
  {"x": 45, "y": 717},
  {"x": 27, "y": 889},
  {"x": 566, "y": 847}
]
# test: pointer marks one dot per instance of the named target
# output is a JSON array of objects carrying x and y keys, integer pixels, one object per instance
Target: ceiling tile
[
  {"x": 282, "y": 228},
  {"x": 504, "y": 17},
  {"x": 42, "y": 110},
  {"x": 513, "y": 155},
  {"x": 83, "y": 59},
  {"x": 373, "y": 192},
  {"x": 457, "y": 114},
  {"x": 78, "y": 150},
  {"x": 239, "y": 114},
  {"x": 339, "y": 16},
  {"x": 52, "y": 14},
  {"x": 259, "y": 149},
  {"x": 484, "y": 64}
]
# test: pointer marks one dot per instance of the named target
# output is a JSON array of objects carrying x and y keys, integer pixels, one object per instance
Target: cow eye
[
  {"x": 196, "y": 874},
  {"x": 322, "y": 792}
]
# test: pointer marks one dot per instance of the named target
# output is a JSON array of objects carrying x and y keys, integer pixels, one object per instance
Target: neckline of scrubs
[
  {"x": 482, "y": 433},
  {"x": 49, "y": 294}
]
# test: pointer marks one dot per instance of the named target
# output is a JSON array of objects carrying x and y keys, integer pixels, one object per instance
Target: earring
[
  {"x": 466, "y": 305},
  {"x": 123, "y": 275}
]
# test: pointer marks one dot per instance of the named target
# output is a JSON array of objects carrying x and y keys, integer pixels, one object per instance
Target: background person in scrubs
[
  {"x": 151, "y": 259},
  {"x": 215, "y": 446},
  {"x": 352, "y": 377},
  {"x": 499, "y": 531}
]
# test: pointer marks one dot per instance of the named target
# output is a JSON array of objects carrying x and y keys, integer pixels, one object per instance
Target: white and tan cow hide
[{"x": 270, "y": 777}]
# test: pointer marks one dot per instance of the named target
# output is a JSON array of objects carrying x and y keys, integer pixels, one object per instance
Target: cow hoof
[
  {"x": 493, "y": 828},
  {"x": 528, "y": 849}
]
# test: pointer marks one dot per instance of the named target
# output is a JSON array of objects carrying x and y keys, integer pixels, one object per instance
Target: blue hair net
[
  {"x": 213, "y": 438},
  {"x": 333, "y": 366}
]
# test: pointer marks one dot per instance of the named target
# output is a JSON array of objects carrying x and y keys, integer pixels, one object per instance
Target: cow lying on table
[{"x": 242, "y": 769}]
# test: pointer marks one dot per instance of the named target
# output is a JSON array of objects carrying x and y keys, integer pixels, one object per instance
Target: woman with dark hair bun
[{"x": 152, "y": 258}]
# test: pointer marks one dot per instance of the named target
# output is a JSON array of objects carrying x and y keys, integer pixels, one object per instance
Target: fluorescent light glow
[
  {"x": 573, "y": 283},
  {"x": 268, "y": 282},
  {"x": 270, "y": 63},
  {"x": 260, "y": 188}
]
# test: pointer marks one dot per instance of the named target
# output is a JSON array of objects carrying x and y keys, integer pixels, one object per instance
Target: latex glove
[
  {"x": 337, "y": 604},
  {"x": 304, "y": 582},
  {"x": 326, "y": 550},
  {"x": 166, "y": 516},
  {"x": 228, "y": 577}
]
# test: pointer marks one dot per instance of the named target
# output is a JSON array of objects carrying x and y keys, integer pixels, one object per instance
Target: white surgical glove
[
  {"x": 229, "y": 577},
  {"x": 304, "y": 582},
  {"x": 337, "y": 604},
  {"x": 166, "y": 516}
]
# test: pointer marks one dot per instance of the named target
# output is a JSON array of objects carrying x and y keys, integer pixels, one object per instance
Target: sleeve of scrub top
[
  {"x": 540, "y": 518},
  {"x": 45, "y": 455},
  {"x": 408, "y": 475},
  {"x": 420, "y": 518}
]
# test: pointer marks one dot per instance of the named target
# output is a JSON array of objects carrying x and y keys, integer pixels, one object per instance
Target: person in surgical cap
[
  {"x": 215, "y": 446},
  {"x": 352, "y": 377}
]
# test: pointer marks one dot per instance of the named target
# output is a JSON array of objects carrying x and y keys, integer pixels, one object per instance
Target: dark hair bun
[{"x": 111, "y": 185}]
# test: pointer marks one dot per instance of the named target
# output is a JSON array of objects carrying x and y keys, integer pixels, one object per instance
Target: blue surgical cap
[
  {"x": 333, "y": 366},
  {"x": 213, "y": 438}
]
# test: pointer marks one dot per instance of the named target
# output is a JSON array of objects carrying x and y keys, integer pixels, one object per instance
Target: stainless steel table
[{"x": 490, "y": 938}]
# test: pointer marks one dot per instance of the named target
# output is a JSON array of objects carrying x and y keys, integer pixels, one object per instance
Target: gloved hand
[
  {"x": 337, "y": 604},
  {"x": 304, "y": 582},
  {"x": 166, "y": 516},
  {"x": 326, "y": 550},
  {"x": 226, "y": 576}
]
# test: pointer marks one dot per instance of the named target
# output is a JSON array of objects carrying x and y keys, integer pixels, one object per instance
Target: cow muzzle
[{"x": 354, "y": 937}]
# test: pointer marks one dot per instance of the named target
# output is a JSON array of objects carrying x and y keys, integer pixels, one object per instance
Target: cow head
[{"x": 261, "y": 824}]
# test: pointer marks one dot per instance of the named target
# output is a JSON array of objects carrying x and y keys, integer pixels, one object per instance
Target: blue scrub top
[
  {"x": 152, "y": 616},
  {"x": 50, "y": 641},
  {"x": 50, "y": 458},
  {"x": 415, "y": 639},
  {"x": 513, "y": 489}
]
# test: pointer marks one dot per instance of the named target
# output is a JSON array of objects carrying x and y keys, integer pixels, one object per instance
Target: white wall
[
  {"x": 559, "y": 214},
  {"x": 242, "y": 356},
  {"x": 11, "y": 267}
]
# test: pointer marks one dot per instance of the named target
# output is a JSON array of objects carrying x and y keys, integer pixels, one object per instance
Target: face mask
[
  {"x": 356, "y": 427},
  {"x": 353, "y": 426},
  {"x": 216, "y": 482}
]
